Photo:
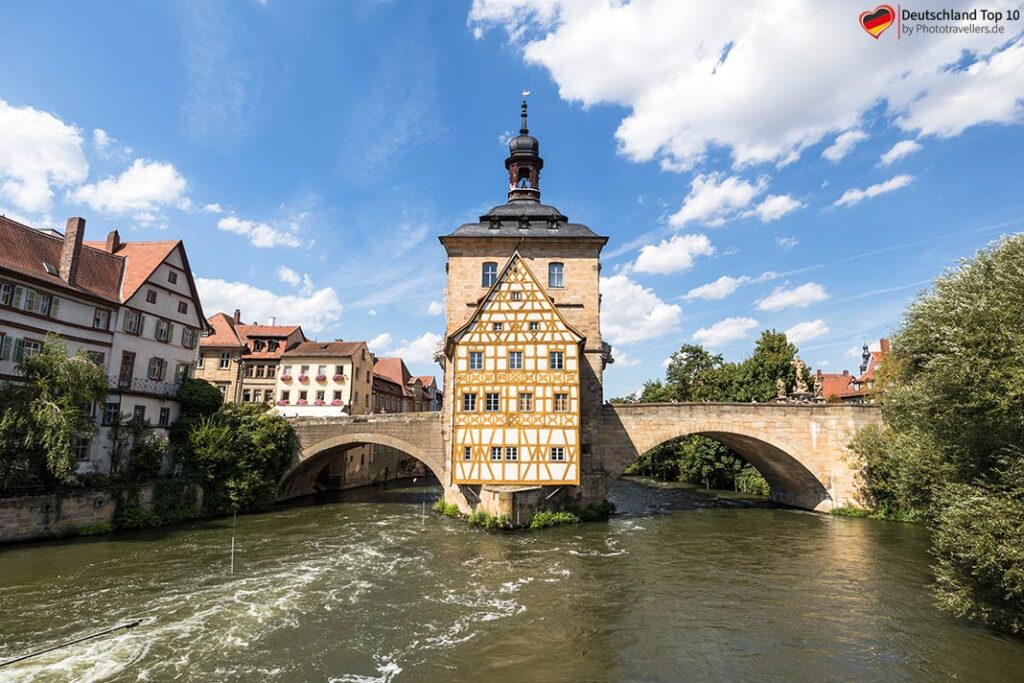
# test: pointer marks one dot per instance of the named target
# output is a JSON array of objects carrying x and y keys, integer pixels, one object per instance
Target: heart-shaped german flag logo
[{"x": 875, "y": 21}]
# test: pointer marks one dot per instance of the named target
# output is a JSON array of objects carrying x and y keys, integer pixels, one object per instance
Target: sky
[{"x": 769, "y": 167}]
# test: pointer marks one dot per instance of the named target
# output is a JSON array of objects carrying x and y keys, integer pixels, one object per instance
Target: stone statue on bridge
[
  {"x": 801, "y": 383},
  {"x": 780, "y": 386}
]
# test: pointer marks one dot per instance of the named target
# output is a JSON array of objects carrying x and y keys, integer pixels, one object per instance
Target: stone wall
[{"x": 23, "y": 518}]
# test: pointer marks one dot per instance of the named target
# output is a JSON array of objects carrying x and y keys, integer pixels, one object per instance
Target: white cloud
[
  {"x": 801, "y": 297},
  {"x": 632, "y": 313},
  {"x": 901, "y": 149},
  {"x": 109, "y": 148},
  {"x": 714, "y": 198},
  {"x": 381, "y": 341},
  {"x": 843, "y": 145},
  {"x": 852, "y": 352},
  {"x": 38, "y": 151},
  {"x": 787, "y": 243},
  {"x": 802, "y": 332},
  {"x": 719, "y": 289},
  {"x": 260, "y": 234},
  {"x": 775, "y": 206},
  {"x": 419, "y": 350},
  {"x": 824, "y": 363},
  {"x": 143, "y": 187},
  {"x": 623, "y": 360},
  {"x": 372, "y": 312},
  {"x": 852, "y": 196},
  {"x": 315, "y": 311},
  {"x": 724, "y": 331},
  {"x": 435, "y": 308},
  {"x": 289, "y": 276},
  {"x": 213, "y": 208},
  {"x": 673, "y": 255},
  {"x": 697, "y": 78}
]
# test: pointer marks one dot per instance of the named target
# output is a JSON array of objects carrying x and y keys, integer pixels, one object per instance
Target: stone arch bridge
[{"x": 801, "y": 450}]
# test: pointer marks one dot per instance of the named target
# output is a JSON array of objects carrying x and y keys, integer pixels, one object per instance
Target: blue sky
[{"x": 752, "y": 172}]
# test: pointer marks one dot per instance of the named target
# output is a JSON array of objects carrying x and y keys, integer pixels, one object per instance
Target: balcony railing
[{"x": 141, "y": 385}]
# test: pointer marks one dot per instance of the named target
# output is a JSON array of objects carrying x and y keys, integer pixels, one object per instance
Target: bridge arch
[
  {"x": 800, "y": 450},
  {"x": 790, "y": 480},
  {"x": 311, "y": 459}
]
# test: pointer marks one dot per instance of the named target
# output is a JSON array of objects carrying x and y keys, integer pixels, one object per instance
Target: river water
[{"x": 680, "y": 585}]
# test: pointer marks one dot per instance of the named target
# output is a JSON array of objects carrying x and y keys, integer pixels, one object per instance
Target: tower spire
[{"x": 524, "y": 162}]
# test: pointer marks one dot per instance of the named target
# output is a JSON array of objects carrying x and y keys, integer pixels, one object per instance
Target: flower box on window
[
  {"x": 282, "y": 402},
  {"x": 339, "y": 378},
  {"x": 302, "y": 402},
  {"x": 303, "y": 378},
  {"x": 337, "y": 402},
  {"x": 321, "y": 378},
  {"x": 286, "y": 378},
  {"x": 318, "y": 402}
]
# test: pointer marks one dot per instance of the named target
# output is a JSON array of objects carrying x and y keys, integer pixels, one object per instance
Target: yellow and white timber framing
[{"x": 512, "y": 347}]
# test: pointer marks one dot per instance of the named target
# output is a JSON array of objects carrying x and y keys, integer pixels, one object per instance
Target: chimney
[
  {"x": 885, "y": 345},
  {"x": 237, "y": 317},
  {"x": 113, "y": 241},
  {"x": 72, "y": 249},
  {"x": 820, "y": 373},
  {"x": 846, "y": 373},
  {"x": 273, "y": 320}
]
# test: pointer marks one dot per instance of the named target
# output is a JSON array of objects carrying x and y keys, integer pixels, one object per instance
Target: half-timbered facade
[{"x": 516, "y": 388}]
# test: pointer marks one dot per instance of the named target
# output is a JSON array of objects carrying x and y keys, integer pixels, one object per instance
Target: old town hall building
[{"x": 523, "y": 352}]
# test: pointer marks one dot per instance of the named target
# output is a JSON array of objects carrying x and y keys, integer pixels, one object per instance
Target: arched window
[
  {"x": 556, "y": 274},
  {"x": 524, "y": 178},
  {"x": 490, "y": 275}
]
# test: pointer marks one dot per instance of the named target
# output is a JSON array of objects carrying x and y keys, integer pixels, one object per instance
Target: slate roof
[{"x": 524, "y": 218}]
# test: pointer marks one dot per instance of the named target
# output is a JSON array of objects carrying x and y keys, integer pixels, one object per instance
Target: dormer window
[{"x": 490, "y": 274}]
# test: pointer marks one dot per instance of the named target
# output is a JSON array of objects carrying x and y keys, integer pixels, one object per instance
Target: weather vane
[{"x": 526, "y": 93}]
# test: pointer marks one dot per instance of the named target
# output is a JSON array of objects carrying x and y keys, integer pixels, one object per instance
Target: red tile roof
[
  {"x": 224, "y": 332},
  {"x": 326, "y": 349},
  {"x": 255, "y": 330},
  {"x": 141, "y": 259},
  {"x": 393, "y": 370},
  {"x": 833, "y": 384},
  {"x": 428, "y": 381},
  {"x": 26, "y": 249}
]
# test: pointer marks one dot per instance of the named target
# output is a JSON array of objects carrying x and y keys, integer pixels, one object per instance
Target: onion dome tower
[{"x": 524, "y": 164}]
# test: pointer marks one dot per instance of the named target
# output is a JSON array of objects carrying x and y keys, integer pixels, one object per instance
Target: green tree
[
  {"x": 950, "y": 453},
  {"x": 689, "y": 370},
  {"x": 48, "y": 414},
  {"x": 239, "y": 455},
  {"x": 198, "y": 398}
]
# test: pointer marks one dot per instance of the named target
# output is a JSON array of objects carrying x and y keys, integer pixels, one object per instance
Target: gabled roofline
[{"x": 454, "y": 337}]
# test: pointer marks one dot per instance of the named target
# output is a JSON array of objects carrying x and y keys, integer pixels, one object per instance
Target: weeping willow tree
[
  {"x": 45, "y": 416},
  {"x": 950, "y": 453}
]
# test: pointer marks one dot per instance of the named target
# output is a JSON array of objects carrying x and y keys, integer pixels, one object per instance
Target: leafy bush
[
  {"x": 979, "y": 551},
  {"x": 482, "y": 519},
  {"x": 545, "y": 519},
  {"x": 446, "y": 509}
]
